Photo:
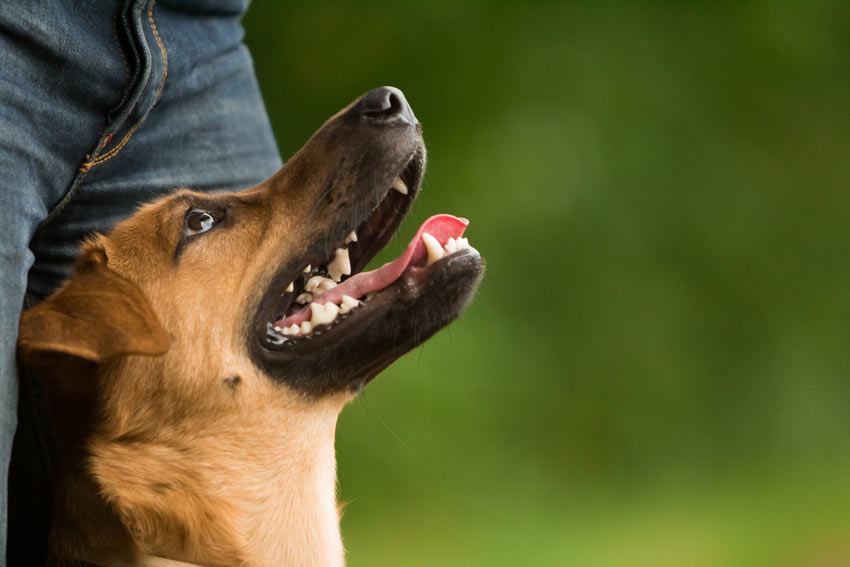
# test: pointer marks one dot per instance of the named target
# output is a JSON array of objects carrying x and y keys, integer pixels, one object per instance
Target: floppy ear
[{"x": 96, "y": 315}]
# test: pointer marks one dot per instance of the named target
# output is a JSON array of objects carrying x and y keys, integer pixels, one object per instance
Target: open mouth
[{"x": 331, "y": 290}]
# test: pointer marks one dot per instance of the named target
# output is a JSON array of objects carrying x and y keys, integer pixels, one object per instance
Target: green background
[{"x": 656, "y": 370}]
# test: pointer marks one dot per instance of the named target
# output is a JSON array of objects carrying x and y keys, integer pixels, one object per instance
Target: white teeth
[
  {"x": 347, "y": 304},
  {"x": 306, "y": 327},
  {"x": 319, "y": 283},
  {"x": 323, "y": 314},
  {"x": 351, "y": 237},
  {"x": 278, "y": 329},
  {"x": 308, "y": 268},
  {"x": 304, "y": 298},
  {"x": 291, "y": 287},
  {"x": 293, "y": 329},
  {"x": 451, "y": 246},
  {"x": 399, "y": 186},
  {"x": 341, "y": 264},
  {"x": 435, "y": 250}
]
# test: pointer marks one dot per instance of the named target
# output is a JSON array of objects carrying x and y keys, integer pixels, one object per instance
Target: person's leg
[
  {"x": 198, "y": 122},
  {"x": 18, "y": 216},
  {"x": 52, "y": 101},
  {"x": 189, "y": 113}
]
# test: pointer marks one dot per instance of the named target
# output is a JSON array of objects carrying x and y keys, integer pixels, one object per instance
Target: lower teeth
[
  {"x": 277, "y": 336},
  {"x": 318, "y": 323}
]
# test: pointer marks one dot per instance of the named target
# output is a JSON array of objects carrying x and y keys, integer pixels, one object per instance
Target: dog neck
[
  {"x": 268, "y": 500},
  {"x": 144, "y": 561}
]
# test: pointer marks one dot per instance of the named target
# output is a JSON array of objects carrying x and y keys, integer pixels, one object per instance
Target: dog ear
[{"x": 96, "y": 315}]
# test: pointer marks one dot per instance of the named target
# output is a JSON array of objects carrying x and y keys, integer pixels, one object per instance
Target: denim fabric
[{"x": 103, "y": 105}]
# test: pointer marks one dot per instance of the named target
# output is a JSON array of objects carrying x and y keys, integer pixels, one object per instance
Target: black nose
[{"x": 387, "y": 104}]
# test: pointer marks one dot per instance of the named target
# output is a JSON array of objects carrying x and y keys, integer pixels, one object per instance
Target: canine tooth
[
  {"x": 304, "y": 298},
  {"x": 341, "y": 264},
  {"x": 308, "y": 268},
  {"x": 306, "y": 327},
  {"x": 347, "y": 304},
  {"x": 399, "y": 186},
  {"x": 323, "y": 314},
  {"x": 351, "y": 237},
  {"x": 435, "y": 250},
  {"x": 291, "y": 287},
  {"x": 319, "y": 283}
]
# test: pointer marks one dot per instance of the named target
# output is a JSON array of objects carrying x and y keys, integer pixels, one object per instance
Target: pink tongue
[{"x": 441, "y": 227}]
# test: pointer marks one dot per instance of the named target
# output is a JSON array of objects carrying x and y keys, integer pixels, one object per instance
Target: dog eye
[{"x": 198, "y": 221}]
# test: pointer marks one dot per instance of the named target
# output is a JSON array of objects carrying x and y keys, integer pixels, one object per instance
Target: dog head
[{"x": 230, "y": 329}]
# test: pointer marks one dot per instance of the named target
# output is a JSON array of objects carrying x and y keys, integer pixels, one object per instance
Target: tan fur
[
  {"x": 181, "y": 465},
  {"x": 175, "y": 442}
]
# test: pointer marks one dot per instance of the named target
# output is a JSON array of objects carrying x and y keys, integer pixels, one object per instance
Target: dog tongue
[{"x": 441, "y": 227}]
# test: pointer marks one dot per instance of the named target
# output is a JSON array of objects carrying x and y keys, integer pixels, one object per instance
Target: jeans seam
[
  {"x": 117, "y": 149},
  {"x": 107, "y": 136},
  {"x": 138, "y": 74},
  {"x": 120, "y": 50}
]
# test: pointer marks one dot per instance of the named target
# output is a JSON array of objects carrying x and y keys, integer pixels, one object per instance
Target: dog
[{"x": 197, "y": 358}]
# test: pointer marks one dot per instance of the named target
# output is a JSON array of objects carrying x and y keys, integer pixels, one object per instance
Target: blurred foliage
[{"x": 656, "y": 370}]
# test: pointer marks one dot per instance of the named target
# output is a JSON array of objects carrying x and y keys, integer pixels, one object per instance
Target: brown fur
[
  {"x": 177, "y": 444},
  {"x": 180, "y": 456}
]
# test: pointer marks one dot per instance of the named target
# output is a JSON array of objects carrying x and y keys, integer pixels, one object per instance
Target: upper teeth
[
  {"x": 340, "y": 265},
  {"x": 319, "y": 283},
  {"x": 304, "y": 298},
  {"x": 399, "y": 186}
]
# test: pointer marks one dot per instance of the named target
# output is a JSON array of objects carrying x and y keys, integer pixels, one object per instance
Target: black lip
[
  {"x": 388, "y": 215},
  {"x": 397, "y": 319},
  {"x": 375, "y": 227},
  {"x": 412, "y": 281}
]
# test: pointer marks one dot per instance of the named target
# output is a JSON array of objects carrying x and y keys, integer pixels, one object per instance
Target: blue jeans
[{"x": 103, "y": 105}]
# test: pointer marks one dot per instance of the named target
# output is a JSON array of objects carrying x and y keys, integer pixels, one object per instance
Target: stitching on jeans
[{"x": 114, "y": 151}]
